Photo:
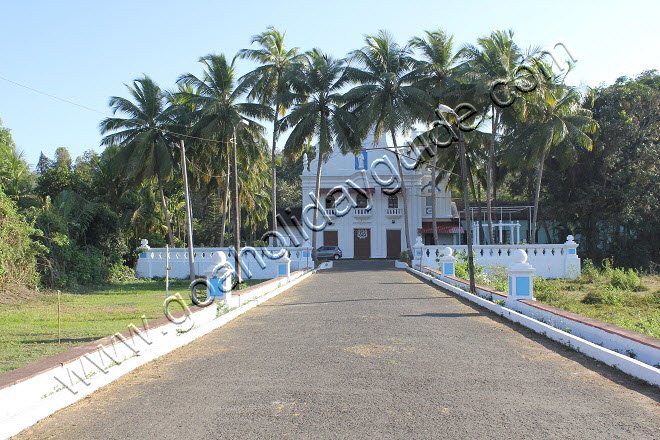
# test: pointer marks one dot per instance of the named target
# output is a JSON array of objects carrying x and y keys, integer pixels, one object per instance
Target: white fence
[
  {"x": 549, "y": 260},
  {"x": 258, "y": 263}
]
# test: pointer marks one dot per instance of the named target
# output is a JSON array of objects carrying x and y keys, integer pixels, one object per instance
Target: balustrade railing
[
  {"x": 260, "y": 261},
  {"x": 550, "y": 260}
]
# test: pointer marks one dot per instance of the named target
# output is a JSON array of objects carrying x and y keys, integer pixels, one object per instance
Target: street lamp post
[{"x": 466, "y": 199}]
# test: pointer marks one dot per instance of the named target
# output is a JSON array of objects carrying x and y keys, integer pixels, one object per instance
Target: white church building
[{"x": 362, "y": 203}]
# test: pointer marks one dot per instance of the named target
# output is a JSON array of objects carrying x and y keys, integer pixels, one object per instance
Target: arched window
[
  {"x": 361, "y": 200},
  {"x": 392, "y": 201},
  {"x": 330, "y": 201}
]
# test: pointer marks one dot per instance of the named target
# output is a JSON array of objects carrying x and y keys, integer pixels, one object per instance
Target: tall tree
[
  {"x": 495, "y": 57},
  {"x": 557, "y": 124},
  {"x": 63, "y": 158},
  {"x": 143, "y": 137},
  {"x": 318, "y": 114},
  {"x": 14, "y": 171},
  {"x": 385, "y": 99},
  {"x": 266, "y": 84},
  {"x": 434, "y": 73},
  {"x": 220, "y": 115}
]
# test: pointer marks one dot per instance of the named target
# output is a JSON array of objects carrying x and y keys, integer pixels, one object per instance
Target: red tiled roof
[{"x": 443, "y": 228}]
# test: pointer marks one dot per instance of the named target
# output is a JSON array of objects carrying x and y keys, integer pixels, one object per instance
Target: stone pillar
[
  {"x": 219, "y": 278},
  {"x": 284, "y": 267},
  {"x": 417, "y": 253},
  {"x": 572, "y": 267},
  {"x": 144, "y": 265},
  {"x": 447, "y": 261},
  {"x": 521, "y": 273}
]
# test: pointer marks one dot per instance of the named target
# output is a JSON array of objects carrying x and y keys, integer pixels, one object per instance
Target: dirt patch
[{"x": 19, "y": 294}]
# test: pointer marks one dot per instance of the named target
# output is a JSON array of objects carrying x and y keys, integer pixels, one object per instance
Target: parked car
[{"x": 329, "y": 252}]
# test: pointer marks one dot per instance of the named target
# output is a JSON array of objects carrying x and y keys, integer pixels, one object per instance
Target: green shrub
[
  {"x": 120, "y": 273},
  {"x": 654, "y": 298},
  {"x": 590, "y": 271},
  {"x": 18, "y": 251},
  {"x": 624, "y": 279},
  {"x": 404, "y": 256},
  {"x": 607, "y": 295}
]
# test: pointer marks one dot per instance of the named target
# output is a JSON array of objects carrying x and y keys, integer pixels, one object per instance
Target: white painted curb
[
  {"x": 622, "y": 362},
  {"x": 27, "y": 402},
  {"x": 401, "y": 264}
]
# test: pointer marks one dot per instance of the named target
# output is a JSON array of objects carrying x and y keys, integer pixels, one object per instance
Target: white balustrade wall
[
  {"x": 151, "y": 262},
  {"x": 549, "y": 260}
]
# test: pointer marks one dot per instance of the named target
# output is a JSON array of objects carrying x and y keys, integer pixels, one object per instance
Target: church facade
[{"x": 362, "y": 202}]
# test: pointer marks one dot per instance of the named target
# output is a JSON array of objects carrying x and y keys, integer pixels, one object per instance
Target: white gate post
[
  {"x": 447, "y": 261},
  {"x": 417, "y": 253},
  {"x": 284, "y": 267},
  {"x": 521, "y": 273},
  {"x": 571, "y": 260},
  {"x": 219, "y": 276}
]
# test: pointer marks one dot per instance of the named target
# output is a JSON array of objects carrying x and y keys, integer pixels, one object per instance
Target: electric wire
[{"x": 164, "y": 131}]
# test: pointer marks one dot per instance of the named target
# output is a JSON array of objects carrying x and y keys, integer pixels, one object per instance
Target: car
[{"x": 329, "y": 252}]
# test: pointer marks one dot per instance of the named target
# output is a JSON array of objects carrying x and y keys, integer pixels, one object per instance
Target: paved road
[{"x": 366, "y": 351}]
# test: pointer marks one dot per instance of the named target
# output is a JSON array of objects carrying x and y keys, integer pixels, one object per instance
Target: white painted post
[
  {"x": 447, "y": 262},
  {"x": 307, "y": 253},
  {"x": 417, "y": 253},
  {"x": 572, "y": 267},
  {"x": 145, "y": 257},
  {"x": 284, "y": 267},
  {"x": 219, "y": 277},
  {"x": 521, "y": 274}
]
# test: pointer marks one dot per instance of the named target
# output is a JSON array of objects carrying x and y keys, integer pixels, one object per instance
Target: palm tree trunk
[
  {"x": 406, "y": 228},
  {"x": 489, "y": 183},
  {"x": 474, "y": 194},
  {"x": 466, "y": 201},
  {"x": 537, "y": 195},
  {"x": 434, "y": 221},
  {"x": 237, "y": 218},
  {"x": 316, "y": 206},
  {"x": 274, "y": 173},
  {"x": 225, "y": 203},
  {"x": 165, "y": 212}
]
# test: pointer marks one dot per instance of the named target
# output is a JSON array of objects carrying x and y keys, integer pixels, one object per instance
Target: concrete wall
[
  {"x": 549, "y": 260},
  {"x": 152, "y": 261}
]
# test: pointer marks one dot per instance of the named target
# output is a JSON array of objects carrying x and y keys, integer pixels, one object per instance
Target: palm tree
[
  {"x": 495, "y": 57},
  {"x": 220, "y": 117},
  {"x": 385, "y": 99},
  {"x": 557, "y": 123},
  {"x": 142, "y": 136},
  {"x": 211, "y": 163},
  {"x": 318, "y": 114},
  {"x": 435, "y": 76},
  {"x": 266, "y": 84}
]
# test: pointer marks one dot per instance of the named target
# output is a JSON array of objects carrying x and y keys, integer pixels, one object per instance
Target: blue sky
[{"x": 85, "y": 51}]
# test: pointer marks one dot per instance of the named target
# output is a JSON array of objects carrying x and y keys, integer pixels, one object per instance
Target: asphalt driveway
[{"x": 366, "y": 351}]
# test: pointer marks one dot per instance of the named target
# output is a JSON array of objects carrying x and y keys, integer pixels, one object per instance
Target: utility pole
[
  {"x": 237, "y": 210},
  {"x": 191, "y": 256}
]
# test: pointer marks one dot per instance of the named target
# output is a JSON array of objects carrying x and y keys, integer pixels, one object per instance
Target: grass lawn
[
  {"x": 624, "y": 298},
  {"x": 28, "y": 328},
  {"x": 637, "y": 309}
]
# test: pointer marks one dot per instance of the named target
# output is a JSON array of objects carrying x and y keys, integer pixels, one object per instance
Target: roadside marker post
[{"x": 59, "y": 339}]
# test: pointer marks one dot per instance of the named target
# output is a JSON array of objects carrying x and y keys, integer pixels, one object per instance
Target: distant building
[{"x": 362, "y": 211}]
